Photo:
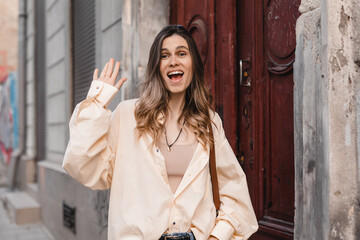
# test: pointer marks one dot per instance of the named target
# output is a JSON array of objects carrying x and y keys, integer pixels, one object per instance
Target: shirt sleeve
[
  {"x": 236, "y": 219},
  {"x": 90, "y": 153}
]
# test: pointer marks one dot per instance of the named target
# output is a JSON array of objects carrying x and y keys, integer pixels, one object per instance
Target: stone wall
[
  {"x": 325, "y": 110},
  {"x": 343, "y": 79},
  {"x": 58, "y": 73},
  {"x": 124, "y": 31}
]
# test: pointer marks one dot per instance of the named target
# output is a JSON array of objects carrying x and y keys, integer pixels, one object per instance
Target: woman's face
[{"x": 176, "y": 67}]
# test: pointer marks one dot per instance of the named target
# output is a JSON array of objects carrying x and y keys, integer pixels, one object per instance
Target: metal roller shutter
[
  {"x": 40, "y": 83},
  {"x": 83, "y": 33}
]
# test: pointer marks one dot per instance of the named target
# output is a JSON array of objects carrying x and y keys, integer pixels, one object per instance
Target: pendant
[{"x": 169, "y": 149}]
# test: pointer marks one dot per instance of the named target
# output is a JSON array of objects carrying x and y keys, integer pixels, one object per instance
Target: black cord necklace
[{"x": 167, "y": 143}]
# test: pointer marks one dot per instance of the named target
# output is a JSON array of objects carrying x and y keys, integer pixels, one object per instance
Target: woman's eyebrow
[{"x": 178, "y": 47}]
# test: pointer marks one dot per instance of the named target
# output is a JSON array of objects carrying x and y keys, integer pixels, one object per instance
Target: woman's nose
[{"x": 173, "y": 61}]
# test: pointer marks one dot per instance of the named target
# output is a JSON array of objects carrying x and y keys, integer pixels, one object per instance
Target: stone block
[
  {"x": 30, "y": 24},
  {"x": 32, "y": 189},
  {"x": 30, "y": 47},
  {"x": 56, "y": 187},
  {"x": 51, "y": 214},
  {"x": 21, "y": 208},
  {"x": 55, "y": 48},
  {"x": 56, "y": 141},
  {"x": 55, "y": 156},
  {"x": 308, "y": 126},
  {"x": 50, "y": 4},
  {"x": 55, "y": 109},
  {"x": 30, "y": 5},
  {"x": 30, "y": 75},
  {"x": 111, "y": 42},
  {"x": 55, "y": 18},
  {"x": 27, "y": 170},
  {"x": 30, "y": 113},
  {"x": 308, "y": 5},
  {"x": 30, "y": 90},
  {"x": 110, "y": 13},
  {"x": 55, "y": 79},
  {"x": 30, "y": 137}
]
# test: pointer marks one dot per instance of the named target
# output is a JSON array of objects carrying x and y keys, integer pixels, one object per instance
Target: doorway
[{"x": 248, "y": 48}]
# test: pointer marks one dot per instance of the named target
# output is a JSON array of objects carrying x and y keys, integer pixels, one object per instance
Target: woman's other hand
[{"x": 108, "y": 75}]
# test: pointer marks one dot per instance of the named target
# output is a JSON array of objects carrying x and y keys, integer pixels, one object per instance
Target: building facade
[
  {"x": 61, "y": 41},
  {"x": 292, "y": 120}
]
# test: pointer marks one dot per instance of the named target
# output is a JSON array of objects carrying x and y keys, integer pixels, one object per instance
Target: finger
[
  {"x": 95, "y": 76},
  {"x": 120, "y": 82},
  {"x": 103, "y": 72},
  {"x": 110, "y": 68},
  {"x": 116, "y": 71}
]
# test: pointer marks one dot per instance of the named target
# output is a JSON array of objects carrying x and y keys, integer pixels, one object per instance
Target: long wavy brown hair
[{"x": 154, "y": 97}]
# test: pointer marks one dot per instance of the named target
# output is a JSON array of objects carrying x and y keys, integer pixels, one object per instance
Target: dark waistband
[{"x": 178, "y": 236}]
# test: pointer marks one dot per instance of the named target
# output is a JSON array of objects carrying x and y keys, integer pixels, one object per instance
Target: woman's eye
[
  {"x": 163, "y": 56},
  {"x": 182, "y": 54}
]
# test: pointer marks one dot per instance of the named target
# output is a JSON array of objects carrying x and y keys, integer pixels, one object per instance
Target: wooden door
[
  {"x": 216, "y": 46},
  {"x": 266, "y": 47},
  {"x": 257, "y": 113}
]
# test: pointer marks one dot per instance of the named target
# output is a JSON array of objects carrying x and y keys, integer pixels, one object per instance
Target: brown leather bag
[{"x": 213, "y": 173}]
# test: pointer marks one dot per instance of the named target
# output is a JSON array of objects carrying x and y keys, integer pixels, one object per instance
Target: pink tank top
[{"x": 177, "y": 161}]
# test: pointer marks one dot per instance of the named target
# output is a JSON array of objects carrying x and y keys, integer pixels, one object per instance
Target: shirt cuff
[
  {"x": 223, "y": 231},
  {"x": 102, "y": 92}
]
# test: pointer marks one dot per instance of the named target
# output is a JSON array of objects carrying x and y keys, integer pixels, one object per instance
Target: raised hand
[{"x": 108, "y": 75}]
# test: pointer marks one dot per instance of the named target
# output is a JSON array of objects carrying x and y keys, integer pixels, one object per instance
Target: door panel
[
  {"x": 198, "y": 18},
  {"x": 257, "y": 113},
  {"x": 220, "y": 71},
  {"x": 266, "y": 30}
]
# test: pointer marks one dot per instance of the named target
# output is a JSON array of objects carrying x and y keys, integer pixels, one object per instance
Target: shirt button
[
  {"x": 97, "y": 87},
  {"x": 174, "y": 223},
  {"x": 157, "y": 150}
]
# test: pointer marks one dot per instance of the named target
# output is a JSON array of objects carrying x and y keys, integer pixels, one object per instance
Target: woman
[{"x": 154, "y": 151}]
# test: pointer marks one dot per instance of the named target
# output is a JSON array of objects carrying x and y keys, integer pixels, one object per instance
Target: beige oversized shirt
[{"x": 104, "y": 152}]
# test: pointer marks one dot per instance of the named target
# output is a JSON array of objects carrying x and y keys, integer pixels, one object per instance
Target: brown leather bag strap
[{"x": 213, "y": 173}]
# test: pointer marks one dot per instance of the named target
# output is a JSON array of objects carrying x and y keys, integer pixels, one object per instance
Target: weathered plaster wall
[
  {"x": 142, "y": 20},
  {"x": 125, "y": 31},
  {"x": 326, "y": 100},
  {"x": 311, "y": 114},
  {"x": 355, "y": 28},
  {"x": 343, "y": 171}
]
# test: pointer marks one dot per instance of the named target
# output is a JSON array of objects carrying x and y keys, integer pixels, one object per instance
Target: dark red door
[
  {"x": 258, "y": 112},
  {"x": 266, "y": 48},
  {"x": 220, "y": 69}
]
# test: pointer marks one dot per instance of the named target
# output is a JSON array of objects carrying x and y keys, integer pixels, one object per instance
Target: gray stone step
[
  {"x": 21, "y": 208},
  {"x": 33, "y": 190}
]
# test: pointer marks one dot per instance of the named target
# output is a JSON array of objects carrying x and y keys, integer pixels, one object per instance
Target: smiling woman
[
  {"x": 176, "y": 64},
  {"x": 154, "y": 151}
]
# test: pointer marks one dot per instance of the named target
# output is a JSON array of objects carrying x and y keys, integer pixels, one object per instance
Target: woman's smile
[
  {"x": 175, "y": 75},
  {"x": 176, "y": 65}
]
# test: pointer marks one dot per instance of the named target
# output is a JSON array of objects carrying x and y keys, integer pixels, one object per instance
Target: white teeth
[{"x": 175, "y": 72}]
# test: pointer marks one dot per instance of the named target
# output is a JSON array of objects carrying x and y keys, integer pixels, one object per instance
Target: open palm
[{"x": 108, "y": 75}]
